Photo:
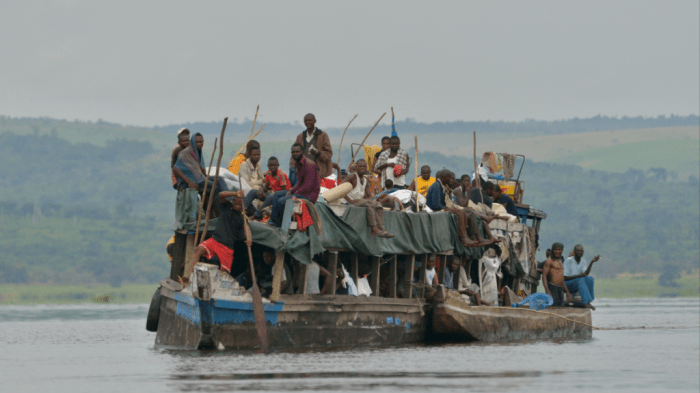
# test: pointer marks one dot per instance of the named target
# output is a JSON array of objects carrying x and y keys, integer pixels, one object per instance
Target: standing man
[
  {"x": 316, "y": 147},
  {"x": 576, "y": 274},
  {"x": 390, "y": 159},
  {"x": 553, "y": 276},
  {"x": 361, "y": 196},
  {"x": 308, "y": 185},
  {"x": 423, "y": 182},
  {"x": 386, "y": 142},
  {"x": 183, "y": 141}
]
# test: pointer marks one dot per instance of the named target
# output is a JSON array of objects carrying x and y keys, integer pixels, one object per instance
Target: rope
[{"x": 556, "y": 315}]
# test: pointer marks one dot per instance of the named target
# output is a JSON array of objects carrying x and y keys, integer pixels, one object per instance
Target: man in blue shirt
[
  {"x": 505, "y": 200},
  {"x": 438, "y": 199},
  {"x": 576, "y": 276}
]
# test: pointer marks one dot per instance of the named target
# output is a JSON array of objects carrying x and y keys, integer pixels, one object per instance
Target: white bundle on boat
[{"x": 230, "y": 179}]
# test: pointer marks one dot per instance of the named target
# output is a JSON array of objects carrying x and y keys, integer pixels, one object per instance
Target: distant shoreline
[{"x": 10, "y": 294}]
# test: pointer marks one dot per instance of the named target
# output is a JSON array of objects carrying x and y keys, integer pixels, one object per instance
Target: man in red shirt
[{"x": 274, "y": 181}]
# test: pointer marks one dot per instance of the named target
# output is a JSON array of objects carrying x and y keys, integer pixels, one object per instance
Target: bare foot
[
  {"x": 467, "y": 242},
  {"x": 589, "y": 305},
  {"x": 374, "y": 231}
]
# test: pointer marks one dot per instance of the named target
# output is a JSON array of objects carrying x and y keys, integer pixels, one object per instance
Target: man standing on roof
[
  {"x": 308, "y": 185},
  {"x": 183, "y": 140},
  {"x": 505, "y": 200},
  {"x": 361, "y": 196},
  {"x": 228, "y": 236},
  {"x": 393, "y": 163},
  {"x": 235, "y": 164},
  {"x": 316, "y": 146},
  {"x": 423, "y": 182},
  {"x": 576, "y": 274}
]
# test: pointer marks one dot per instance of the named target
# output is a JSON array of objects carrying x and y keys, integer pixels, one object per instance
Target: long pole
[
  {"x": 216, "y": 178},
  {"x": 249, "y": 139},
  {"x": 476, "y": 172},
  {"x": 340, "y": 148},
  {"x": 366, "y": 136},
  {"x": 415, "y": 137},
  {"x": 204, "y": 194},
  {"x": 254, "y": 120},
  {"x": 258, "y": 310}
]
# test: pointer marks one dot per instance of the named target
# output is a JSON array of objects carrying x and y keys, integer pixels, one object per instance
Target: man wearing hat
[
  {"x": 553, "y": 276},
  {"x": 228, "y": 237}
]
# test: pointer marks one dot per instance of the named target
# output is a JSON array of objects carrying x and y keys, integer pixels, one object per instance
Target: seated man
[
  {"x": 576, "y": 276},
  {"x": 360, "y": 196},
  {"x": 483, "y": 194},
  {"x": 553, "y": 276},
  {"x": 465, "y": 286},
  {"x": 228, "y": 235},
  {"x": 236, "y": 161},
  {"x": 183, "y": 140},
  {"x": 423, "y": 182},
  {"x": 505, "y": 200},
  {"x": 251, "y": 172},
  {"x": 308, "y": 185},
  {"x": 461, "y": 193},
  {"x": 438, "y": 199}
]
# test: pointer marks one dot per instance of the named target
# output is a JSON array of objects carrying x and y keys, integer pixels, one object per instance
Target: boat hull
[
  {"x": 455, "y": 320},
  {"x": 300, "y": 321}
]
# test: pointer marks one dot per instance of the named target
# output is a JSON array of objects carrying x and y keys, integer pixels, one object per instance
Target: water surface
[{"x": 648, "y": 345}]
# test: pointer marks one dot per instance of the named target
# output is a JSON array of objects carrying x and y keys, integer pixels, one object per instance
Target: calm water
[{"x": 650, "y": 345}]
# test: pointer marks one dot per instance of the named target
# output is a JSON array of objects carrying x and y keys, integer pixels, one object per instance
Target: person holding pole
[{"x": 228, "y": 236}]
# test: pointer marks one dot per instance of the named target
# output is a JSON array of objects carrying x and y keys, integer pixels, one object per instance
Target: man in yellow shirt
[
  {"x": 423, "y": 182},
  {"x": 235, "y": 165}
]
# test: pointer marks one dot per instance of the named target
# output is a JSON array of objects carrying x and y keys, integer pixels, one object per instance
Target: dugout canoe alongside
[{"x": 455, "y": 320}]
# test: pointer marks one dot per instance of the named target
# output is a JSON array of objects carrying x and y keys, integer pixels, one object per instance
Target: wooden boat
[
  {"x": 212, "y": 311},
  {"x": 455, "y": 320},
  {"x": 219, "y": 315}
]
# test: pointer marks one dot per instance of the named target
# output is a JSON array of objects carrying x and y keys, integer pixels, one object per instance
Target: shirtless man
[{"x": 553, "y": 276}]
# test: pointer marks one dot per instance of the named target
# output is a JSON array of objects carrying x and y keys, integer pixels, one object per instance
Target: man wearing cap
[
  {"x": 316, "y": 146},
  {"x": 553, "y": 276},
  {"x": 229, "y": 236},
  {"x": 393, "y": 163},
  {"x": 576, "y": 276}
]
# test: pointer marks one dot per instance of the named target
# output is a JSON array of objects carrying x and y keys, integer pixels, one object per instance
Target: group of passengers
[{"x": 470, "y": 199}]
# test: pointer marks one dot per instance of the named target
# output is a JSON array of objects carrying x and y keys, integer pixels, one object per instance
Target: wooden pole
[
  {"x": 258, "y": 310},
  {"x": 340, "y": 148},
  {"x": 476, "y": 169},
  {"x": 415, "y": 137},
  {"x": 366, "y": 136},
  {"x": 216, "y": 179},
  {"x": 254, "y": 120},
  {"x": 204, "y": 194},
  {"x": 249, "y": 139}
]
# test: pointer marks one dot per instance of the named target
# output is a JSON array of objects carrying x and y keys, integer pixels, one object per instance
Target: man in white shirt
[{"x": 577, "y": 276}]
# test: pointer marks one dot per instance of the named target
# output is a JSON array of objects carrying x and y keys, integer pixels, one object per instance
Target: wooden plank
[
  {"x": 302, "y": 285},
  {"x": 392, "y": 277},
  {"x": 178, "y": 264},
  {"x": 441, "y": 270},
  {"x": 455, "y": 276},
  {"x": 189, "y": 255},
  {"x": 408, "y": 279},
  {"x": 287, "y": 216},
  {"x": 333, "y": 270},
  {"x": 421, "y": 280},
  {"x": 374, "y": 277},
  {"x": 277, "y": 270},
  {"x": 354, "y": 269},
  {"x": 448, "y": 252}
]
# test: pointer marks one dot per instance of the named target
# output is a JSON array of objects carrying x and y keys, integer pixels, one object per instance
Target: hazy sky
[{"x": 162, "y": 62}]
